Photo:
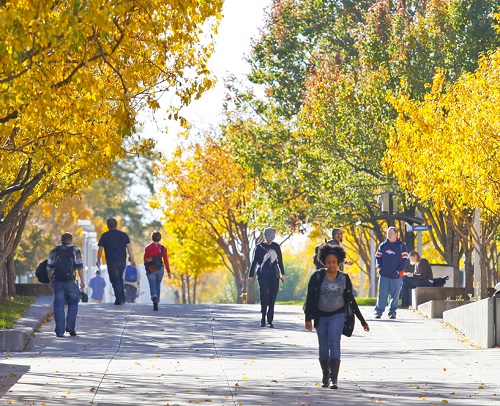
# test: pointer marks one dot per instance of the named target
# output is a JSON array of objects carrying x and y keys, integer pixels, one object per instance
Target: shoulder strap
[
  {"x": 319, "y": 278},
  {"x": 348, "y": 283}
]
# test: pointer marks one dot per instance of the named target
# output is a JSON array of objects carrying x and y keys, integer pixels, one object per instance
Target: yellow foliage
[
  {"x": 204, "y": 195},
  {"x": 73, "y": 76},
  {"x": 445, "y": 149}
]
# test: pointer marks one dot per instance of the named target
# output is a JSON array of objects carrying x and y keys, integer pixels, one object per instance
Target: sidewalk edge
[{"x": 15, "y": 340}]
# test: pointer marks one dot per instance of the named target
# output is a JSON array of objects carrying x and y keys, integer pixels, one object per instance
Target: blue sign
[{"x": 420, "y": 228}]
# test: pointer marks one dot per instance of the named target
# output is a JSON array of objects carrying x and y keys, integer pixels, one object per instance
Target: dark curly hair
[{"x": 327, "y": 249}]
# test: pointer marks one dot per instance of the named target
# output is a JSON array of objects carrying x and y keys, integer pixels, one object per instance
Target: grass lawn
[
  {"x": 361, "y": 301},
  {"x": 12, "y": 309}
]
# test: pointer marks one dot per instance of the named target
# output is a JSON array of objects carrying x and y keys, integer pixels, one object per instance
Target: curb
[{"x": 15, "y": 340}]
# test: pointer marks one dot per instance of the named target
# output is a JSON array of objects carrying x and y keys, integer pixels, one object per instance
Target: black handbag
[
  {"x": 349, "y": 320},
  {"x": 277, "y": 270}
]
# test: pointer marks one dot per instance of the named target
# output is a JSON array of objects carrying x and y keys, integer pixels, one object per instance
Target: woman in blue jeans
[
  {"x": 155, "y": 262},
  {"x": 327, "y": 293}
]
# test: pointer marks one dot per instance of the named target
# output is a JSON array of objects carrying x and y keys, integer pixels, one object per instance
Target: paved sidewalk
[{"x": 218, "y": 354}]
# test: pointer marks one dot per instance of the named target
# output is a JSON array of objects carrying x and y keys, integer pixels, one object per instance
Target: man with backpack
[
  {"x": 132, "y": 279},
  {"x": 63, "y": 261}
]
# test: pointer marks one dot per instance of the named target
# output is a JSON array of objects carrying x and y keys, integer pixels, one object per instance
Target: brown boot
[
  {"x": 325, "y": 367},
  {"x": 334, "y": 372}
]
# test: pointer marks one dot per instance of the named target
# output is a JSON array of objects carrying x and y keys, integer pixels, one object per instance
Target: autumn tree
[
  {"x": 336, "y": 70},
  {"x": 73, "y": 76},
  {"x": 202, "y": 186},
  {"x": 459, "y": 129},
  {"x": 192, "y": 256}
]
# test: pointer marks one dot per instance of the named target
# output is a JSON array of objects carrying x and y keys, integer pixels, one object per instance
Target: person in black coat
[
  {"x": 268, "y": 264},
  {"x": 331, "y": 304}
]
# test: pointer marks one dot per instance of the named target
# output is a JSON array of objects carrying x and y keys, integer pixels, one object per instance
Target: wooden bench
[{"x": 426, "y": 294}]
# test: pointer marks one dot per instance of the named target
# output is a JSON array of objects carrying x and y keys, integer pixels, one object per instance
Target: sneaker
[
  {"x": 60, "y": 336},
  {"x": 155, "y": 303},
  {"x": 270, "y": 324},
  {"x": 71, "y": 332},
  {"x": 378, "y": 316},
  {"x": 263, "y": 323},
  {"x": 392, "y": 316}
]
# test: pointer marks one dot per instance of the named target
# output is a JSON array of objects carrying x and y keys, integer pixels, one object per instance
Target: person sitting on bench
[{"x": 422, "y": 276}]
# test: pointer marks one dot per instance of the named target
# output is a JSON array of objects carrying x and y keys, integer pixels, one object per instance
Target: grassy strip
[
  {"x": 361, "y": 301},
  {"x": 12, "y": 309}
]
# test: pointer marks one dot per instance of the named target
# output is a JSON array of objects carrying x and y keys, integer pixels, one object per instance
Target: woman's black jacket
[{"x": 312, "y": 299}]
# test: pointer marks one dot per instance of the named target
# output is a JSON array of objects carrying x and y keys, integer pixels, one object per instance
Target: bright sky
[{"x": 241, "y": 22}]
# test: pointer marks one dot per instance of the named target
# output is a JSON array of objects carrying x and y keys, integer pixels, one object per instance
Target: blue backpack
[{"x": 130, "y": 274}]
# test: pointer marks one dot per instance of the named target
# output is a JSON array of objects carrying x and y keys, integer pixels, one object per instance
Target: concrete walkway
[{"x": 218, "y": 354}]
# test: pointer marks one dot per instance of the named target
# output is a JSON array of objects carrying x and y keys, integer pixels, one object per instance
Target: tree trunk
[
  {"x": 469, "y": 271},
  {"x": 482, "y": 289},
  {"x": 9, "y": 240},
  {"x": 236, "y": 251},
  {"x": 183, "y": 288},
  {"x": 194, "y": 289},
  {"x": 188, "y": 289},
  {"x": 446, "y": 240}
]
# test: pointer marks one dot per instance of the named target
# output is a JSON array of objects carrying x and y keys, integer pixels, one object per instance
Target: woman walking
[
  {"x": 329, "y": 297},
  {"x": 155, "y": 262}
]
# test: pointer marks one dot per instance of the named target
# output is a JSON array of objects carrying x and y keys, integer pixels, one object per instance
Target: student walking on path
[
  {"x": 63, "y": 261},
  {"x": 115, "y": 244},
  {"x": 155, "y": 262},
  {"x": 268, "y": 264},
  {"x": 132, "y": 280},
  {"x": 391, "y": 259},
  {"x": 329, "y": 293},
  {"x": 97, "y": 283}
]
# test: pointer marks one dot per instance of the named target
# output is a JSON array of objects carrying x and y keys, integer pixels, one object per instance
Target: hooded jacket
[{"x": 391, "y": 258}]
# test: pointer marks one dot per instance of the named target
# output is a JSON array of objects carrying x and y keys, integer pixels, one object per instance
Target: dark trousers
[
  {"x": 410, "y": 283},
  {"x": 115, "y": 273},
  {"x": 130, "y": 293},
  {"x": 268, "y": 287}
]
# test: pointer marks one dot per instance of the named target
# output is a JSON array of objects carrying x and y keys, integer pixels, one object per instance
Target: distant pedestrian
[
  {"x": 329, "y": 291},
  {"x": 115, "y": 244},
  {"x": 97, "y": 283},
  {"x": 268, "y": 264},
  {"x": 132, "y": 280},
  {"x": 64, "y": 260},
  {"x": 421, "y": 276},
  {"x": 155, "y": 262},
  {"x": 391, "y": 259},
  {"x": 337, "y": 237}
]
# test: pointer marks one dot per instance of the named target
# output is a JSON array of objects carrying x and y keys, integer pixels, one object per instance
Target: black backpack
[
  {"x": 154, "y": 263},
  {"x": 64, "y": 267},
  {"x": 41, "y": 272}
]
